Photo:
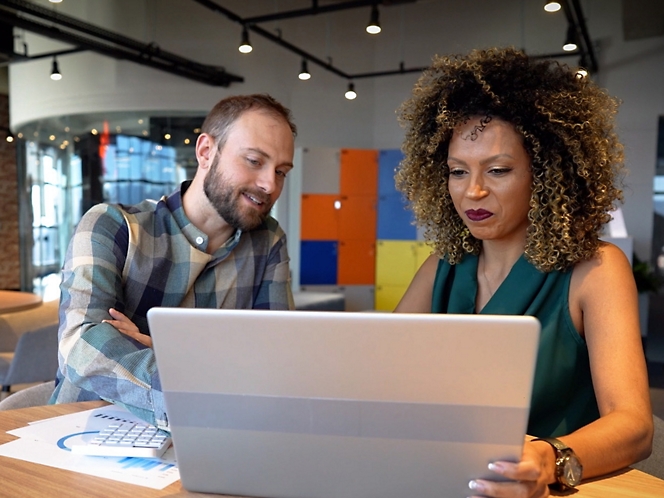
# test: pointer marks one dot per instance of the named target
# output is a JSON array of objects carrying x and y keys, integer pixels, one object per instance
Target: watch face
[{"x": 572, "y": 471}]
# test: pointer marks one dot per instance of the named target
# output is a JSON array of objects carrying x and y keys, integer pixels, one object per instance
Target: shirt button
[{"x": 199, "y": 240}]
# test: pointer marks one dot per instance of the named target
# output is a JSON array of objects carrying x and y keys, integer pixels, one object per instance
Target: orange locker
[
  {"x": 359, "y": 172},
  {"x": 319, "y": 217},
  {"x": 357, "y": 218},
  {"x": 356, "y": 264}
]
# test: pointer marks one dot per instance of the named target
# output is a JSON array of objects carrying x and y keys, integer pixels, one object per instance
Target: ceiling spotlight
[
  {"x": 551, "y": 6},
  {"x": 245, "y": 45},
  {"x": 373, "y": 28},
  {"x": 304, "y": 71},
  {"x": 350, "y": 93},
  {"x": 10, "y": 137},
  {"x": 55, "y": 71},
  {"x": 571, "y": 39}
]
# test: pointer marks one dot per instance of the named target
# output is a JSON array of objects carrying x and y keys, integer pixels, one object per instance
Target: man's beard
[{"x": 226, "y": 200}]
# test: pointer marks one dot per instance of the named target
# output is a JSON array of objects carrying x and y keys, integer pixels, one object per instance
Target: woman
[{"x": 511, "y": 167}]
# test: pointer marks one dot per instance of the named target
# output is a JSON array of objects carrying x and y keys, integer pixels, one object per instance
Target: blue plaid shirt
[{"x": 132, "y": 258}]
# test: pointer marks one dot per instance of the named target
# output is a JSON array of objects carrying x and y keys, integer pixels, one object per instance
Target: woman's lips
[{"x": 478, "y": 214}]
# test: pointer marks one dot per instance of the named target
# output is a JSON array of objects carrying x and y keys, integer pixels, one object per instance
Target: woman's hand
[
  {"x": 531, "y": 474},
  {"x": 127, "y": 327}
]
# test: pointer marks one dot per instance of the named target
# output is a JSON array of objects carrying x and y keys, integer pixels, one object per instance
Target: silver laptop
[{"x": 334, "y": 405}]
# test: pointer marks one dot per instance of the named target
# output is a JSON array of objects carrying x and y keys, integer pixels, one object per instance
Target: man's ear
[{"x": 205, "y": 150}]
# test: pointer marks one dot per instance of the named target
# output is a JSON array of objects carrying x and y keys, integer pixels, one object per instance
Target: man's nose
[{"x": 267, "y": 181}]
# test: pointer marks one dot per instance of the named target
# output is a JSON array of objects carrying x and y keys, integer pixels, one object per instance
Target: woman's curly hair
[{"x": 567, "y": 123}]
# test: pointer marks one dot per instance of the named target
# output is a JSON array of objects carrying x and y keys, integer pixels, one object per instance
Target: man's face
[{"x": 247, "y": 174}]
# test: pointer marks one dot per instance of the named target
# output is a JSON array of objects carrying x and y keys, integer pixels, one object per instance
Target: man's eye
[{"x": 282, "y": 173}]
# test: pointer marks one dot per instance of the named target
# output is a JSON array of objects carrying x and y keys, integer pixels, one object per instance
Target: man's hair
[
  {"x": 222, "y": 116},
  {"x": 567, "y": 125}
]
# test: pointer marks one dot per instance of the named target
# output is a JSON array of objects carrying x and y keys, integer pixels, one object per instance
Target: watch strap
[{"x": 561, "y": 450}]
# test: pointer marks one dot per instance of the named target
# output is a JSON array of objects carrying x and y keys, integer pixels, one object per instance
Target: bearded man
[{"x": 210, "y": 244}]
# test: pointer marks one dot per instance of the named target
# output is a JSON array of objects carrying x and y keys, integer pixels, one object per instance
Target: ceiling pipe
[{"x": 110, "y": 44}]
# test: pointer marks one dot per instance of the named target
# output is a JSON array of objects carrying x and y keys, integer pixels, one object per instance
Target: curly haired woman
[{"x": 511, "y": 166}]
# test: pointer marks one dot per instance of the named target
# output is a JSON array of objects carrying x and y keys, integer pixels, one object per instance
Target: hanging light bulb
[
  {"x": 245, "y": 45},
  {"x": 373, "y": 28},
  {"x": 571, "y": 39},
  {"x": 552, "y": 6},
  {"x": 55, "y": 71},
  {"x": 304, "y": 71},
  {"x": 350, "y": 93}
]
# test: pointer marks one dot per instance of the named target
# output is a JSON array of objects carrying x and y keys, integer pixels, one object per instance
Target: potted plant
[{"x": 647, "y": 282}]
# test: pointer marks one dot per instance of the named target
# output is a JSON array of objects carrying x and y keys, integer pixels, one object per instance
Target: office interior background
[{"x": 120, "y": 124}]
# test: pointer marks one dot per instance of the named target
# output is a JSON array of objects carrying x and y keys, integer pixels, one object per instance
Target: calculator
[{"x": 126, "y": 439}]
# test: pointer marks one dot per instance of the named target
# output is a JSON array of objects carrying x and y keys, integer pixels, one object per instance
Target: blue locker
[
  {"x": 318, "y": 262},
  {"x": 394, "y": 219},
  {"x": 388, "y": 160}
]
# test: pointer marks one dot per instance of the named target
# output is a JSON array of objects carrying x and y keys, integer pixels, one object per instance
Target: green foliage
[{"x": 646, "y": 278}]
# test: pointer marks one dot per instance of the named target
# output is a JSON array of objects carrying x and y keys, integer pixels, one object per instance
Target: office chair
[
  {"x": 35, "y": 358},
  {"x": 31, "y": 396}
]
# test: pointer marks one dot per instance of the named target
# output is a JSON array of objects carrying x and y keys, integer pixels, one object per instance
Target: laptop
[{"x": 307, "y": 404}]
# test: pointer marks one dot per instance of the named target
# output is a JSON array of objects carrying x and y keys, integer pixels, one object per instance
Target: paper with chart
[{"x": 48, "y": 443}]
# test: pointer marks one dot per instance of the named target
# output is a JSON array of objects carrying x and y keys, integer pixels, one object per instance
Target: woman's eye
[
  {"x": 457, "y": 172},
  {"x": 500, "y": 171}
]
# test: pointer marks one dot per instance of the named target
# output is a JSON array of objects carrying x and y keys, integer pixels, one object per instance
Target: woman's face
[{"x": 490, "y": 179}]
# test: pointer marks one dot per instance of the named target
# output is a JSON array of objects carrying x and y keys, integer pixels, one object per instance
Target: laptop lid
[{"x": 334, "y": 405}]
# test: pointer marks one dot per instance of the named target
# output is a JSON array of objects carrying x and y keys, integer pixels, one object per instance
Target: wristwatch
[{"x": 569, "y": 470}]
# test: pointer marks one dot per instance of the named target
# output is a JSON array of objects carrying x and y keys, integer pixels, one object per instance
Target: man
[{"x": 210, "y": 244}]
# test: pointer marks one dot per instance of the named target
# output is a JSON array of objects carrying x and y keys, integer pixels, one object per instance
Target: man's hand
[{"x": 127, "y": 327}]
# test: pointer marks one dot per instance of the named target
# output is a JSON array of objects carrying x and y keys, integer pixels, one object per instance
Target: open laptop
[{"x": 334, "y": 405}]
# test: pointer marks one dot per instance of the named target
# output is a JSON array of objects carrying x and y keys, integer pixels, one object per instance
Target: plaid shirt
[{"x": 132, "y": 258}]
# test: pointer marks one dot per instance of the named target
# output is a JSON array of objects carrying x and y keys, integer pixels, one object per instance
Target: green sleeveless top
[{"x": 563, "y": 398}]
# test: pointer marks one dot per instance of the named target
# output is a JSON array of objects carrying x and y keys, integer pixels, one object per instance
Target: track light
[
  {"x": 571, "y": 39},
  {"x": 9, "y": 137},
  {"x": 552, "y": 6},
  {"x": 304, "y": 72},
  {"x": 245, "y": 46},
  {"x": 55, "y": 72},
  {"x": 373, "y": 28},
  {"x": 350, "y": 93}
]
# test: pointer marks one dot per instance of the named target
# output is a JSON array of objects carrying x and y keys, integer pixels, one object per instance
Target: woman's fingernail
[
  {"x": 496, "y": 467},
  {"x": 476, "y": 486}
]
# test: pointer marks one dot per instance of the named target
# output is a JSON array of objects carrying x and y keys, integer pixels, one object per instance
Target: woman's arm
[
  {"x": 604, "y": 308},
  {"x": 417, "y": 298},
  {"x": 603, "y": 299}
]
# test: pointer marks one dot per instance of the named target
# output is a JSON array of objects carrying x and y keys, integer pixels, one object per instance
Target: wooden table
[
  {"x": 19, "y": 478},
  {"x": 11, "y": 301}
]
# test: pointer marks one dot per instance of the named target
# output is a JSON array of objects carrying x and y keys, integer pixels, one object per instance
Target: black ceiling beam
[
  {"x": 575, "y": 17},
  {"x": 213, "y": 6},
  {"x": 109, "y": 43},
  {"x": 589, "y": 48},
  {"x": 316, "y": 9}
]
